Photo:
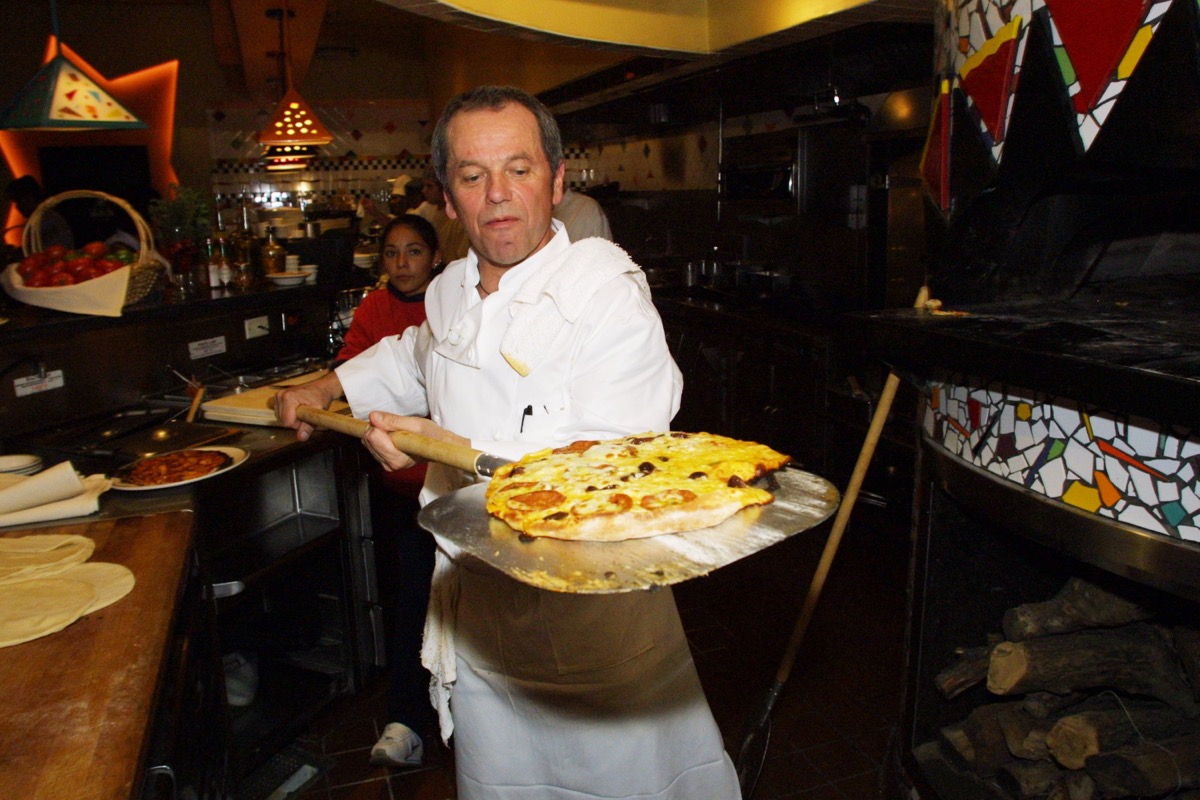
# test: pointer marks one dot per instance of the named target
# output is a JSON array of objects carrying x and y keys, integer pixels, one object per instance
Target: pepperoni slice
[
  {"x": 604, "y": 504},
  {"x": 668, "y": 497},
  {"x": 535, "y": 501},
  {"x": 576, "y": 447}
]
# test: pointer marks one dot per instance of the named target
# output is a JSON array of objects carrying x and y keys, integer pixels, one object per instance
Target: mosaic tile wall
[{"x": 1124, "y": 468}]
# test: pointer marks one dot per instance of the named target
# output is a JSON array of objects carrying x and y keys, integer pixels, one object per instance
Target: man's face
[
  {"x": 499, "y": 183},
  {"x": 432, "y": 191}
]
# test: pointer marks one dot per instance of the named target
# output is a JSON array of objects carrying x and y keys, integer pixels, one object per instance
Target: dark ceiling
[{"x": 647, "y": 92}]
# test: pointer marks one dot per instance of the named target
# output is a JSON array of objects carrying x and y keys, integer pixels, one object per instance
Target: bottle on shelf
[
  {"x": 273, "y": 254},
  {"x": 244, "y": 253},
  {"x": 219, "y": 268}
]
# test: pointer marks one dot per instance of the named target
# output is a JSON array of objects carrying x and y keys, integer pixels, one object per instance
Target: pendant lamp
[
  {"x": 62, "y": 97},
  {"x": 293, "y": 124}
]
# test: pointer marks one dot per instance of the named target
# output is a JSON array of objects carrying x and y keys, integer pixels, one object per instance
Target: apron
[{"x": 579, "y": 696}]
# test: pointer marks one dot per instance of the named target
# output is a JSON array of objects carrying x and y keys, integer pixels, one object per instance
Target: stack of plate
[
  {"x": 365, "y": 260},
  {"x": 20, "y": 464}
]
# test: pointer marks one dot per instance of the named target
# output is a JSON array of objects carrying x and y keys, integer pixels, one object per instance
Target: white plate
[
  {"x": 236, "y": 453},
  {"x": 21, "y": 463},
  {"x": 294, "y": 278}
]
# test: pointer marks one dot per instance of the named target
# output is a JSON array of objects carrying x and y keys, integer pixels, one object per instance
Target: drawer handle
[
  {"x": 164, "y": 769},
  {"x": 226, "y": 589}
]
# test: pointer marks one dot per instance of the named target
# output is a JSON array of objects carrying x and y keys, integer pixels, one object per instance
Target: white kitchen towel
[
  {"x": 559, "y": 294},
  {"x": 438, "y": 653},
  {"x": 55, "y": 493}
]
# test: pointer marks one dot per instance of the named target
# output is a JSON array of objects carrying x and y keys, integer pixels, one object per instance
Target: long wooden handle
[
  {"x": 454, "y": 455},
  {"x": 882, "y": 409}
]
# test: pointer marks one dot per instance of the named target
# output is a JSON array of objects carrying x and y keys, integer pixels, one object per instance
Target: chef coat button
[
  {"x": 454, "y": 337},
  {"x": 437, "y": 419}
]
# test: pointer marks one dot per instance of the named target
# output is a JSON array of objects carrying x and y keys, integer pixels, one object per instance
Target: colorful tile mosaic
[
  {"x": 981, "y": 51},
  {"x": 987, "y": 63},
  {"x": 1124, "y": 468},
  {"x": 1097, "y": 57}
]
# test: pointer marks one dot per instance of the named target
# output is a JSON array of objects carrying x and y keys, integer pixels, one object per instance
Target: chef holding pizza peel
[{"x": 532, "y": 341}]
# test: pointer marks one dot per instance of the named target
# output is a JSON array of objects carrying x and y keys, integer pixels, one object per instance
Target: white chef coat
[
  {"x": 583, "y": 216},
  {"x": 556, "y": 695}
]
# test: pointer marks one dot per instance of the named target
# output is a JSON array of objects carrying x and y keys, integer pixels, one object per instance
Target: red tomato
[
  {"x": 29, "y": 264},
  {"x": 95, "y": 249},
  {"x": 55, "y": 252},
  {"x": 108, "y": 265},
  {"x": 56, "y": 265},
  {"x": 62, "y": 279},
  {"x": 38, "y": 278},
  {"x": 80, "y": 265}
]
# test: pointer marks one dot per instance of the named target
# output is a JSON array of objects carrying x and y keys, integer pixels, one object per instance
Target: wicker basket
[{"x": 144, "y": 271}]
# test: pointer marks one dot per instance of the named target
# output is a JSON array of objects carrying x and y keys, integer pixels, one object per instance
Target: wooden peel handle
[{"x": 454, "y": 455}]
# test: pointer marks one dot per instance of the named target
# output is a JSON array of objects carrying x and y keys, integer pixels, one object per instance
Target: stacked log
[{"x": 1092, "y": 701}]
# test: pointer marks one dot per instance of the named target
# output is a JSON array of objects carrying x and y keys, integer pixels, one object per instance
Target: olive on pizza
[{"x": 633, "y": 487}]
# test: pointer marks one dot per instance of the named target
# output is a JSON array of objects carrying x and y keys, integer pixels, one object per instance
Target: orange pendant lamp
[
  {"x": 61, "y": 96},
  {"x": 294, "y": 132}
]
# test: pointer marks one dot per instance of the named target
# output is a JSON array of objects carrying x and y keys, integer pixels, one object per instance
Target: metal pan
[{"x": 802, "y": 501}]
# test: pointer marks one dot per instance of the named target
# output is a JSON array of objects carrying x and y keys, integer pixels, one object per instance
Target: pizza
[
  {"x": 175, "y": 467},
  {"x": 631, "y": 488}
]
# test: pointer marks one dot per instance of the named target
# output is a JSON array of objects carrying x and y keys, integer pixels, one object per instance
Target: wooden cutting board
[{"x": 256, "y": 406}]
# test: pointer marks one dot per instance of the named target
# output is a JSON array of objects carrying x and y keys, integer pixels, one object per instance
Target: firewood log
[
  {"x": 1077, "y": 606},
  {"x": 1079, "y": 785},
  {"x": 1028, "y": 778},
  {"x": 1076, "y": 736},
  {"x": 1149, "y": 769},
  {"x": 977, "y": 743},
  {"x": 1135, "y": 659},
  {"x": 956, "y": 747},
  {"x": 1073, "y": 785},
  {"x": 1187, "y": 644},
  {"x": 969, "y": 670},
  {"x": 1024, "y": 735},
  {"x": 1043, "y": 704}
]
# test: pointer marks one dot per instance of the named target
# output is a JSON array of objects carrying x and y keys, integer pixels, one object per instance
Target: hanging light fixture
[
  {"x": 293, "y": 133},
  {"x": 62, "y": 97}
]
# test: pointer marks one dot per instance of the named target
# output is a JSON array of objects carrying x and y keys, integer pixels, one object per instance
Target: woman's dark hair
[
  {"x": 495, "y": 98},
  {"x": 423, "y": 227}
]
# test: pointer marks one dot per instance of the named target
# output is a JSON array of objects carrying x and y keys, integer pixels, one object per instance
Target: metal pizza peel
[{"x": 802, "y": 501}]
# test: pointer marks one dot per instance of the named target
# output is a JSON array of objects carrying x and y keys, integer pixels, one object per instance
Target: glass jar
[{"x": 180, "y": 250}]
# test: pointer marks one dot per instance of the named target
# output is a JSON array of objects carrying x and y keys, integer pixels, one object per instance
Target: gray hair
[{"x": 495, "y": 98}]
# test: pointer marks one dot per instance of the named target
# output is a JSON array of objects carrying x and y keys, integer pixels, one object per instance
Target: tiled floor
[{"x": 832, "y": 723}]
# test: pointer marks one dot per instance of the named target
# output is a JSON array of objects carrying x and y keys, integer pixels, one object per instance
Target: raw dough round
[
  {"x": 39, "y": 606},
  {"x": 111, "y": 581},
  {"x": 19, "y": 565},
  {"x": 35, "y": 543}
]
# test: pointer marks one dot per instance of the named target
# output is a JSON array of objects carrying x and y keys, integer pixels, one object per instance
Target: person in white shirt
[
  {"x": 450, "y": 231},
  {"x": 548, "y": 695},
  {"x": 583, "y": 216}
]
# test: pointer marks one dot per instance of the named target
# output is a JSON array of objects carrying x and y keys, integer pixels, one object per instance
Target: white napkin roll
[
  {"x": 48, "y": 486},
  {"x": 79, "y": 505}
]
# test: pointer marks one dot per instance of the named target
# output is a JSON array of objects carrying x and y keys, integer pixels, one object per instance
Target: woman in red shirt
[{"x": 410, "y": 258}]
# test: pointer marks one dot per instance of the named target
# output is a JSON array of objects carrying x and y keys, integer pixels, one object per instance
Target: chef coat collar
[{"x": 459, "y": 343}]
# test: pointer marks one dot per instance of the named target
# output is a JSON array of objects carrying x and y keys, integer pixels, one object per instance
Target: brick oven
[{"x": 1054, "y": 618}]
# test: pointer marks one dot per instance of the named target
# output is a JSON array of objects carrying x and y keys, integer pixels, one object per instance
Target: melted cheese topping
[{"x": 637, "y": 477}]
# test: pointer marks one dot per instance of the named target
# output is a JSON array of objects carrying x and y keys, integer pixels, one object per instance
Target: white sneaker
[{"x": 399, "y": 746}]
